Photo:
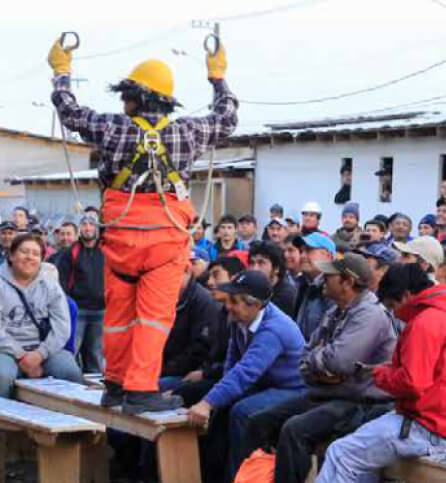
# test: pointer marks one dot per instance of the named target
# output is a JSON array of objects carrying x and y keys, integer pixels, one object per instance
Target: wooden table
[{"x": 176, "y": 441}]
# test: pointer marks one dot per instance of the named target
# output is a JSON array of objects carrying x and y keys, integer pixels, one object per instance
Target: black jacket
[
  {"x": 213, "y": 367},
  {"x": 88, "y": 269},
  {"x": 188, "y": 343},
  {"x": 284, "y": 296}
]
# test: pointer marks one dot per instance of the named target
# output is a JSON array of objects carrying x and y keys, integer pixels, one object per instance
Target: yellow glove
[
  {"x": 59, "y": 59},
  {"x": 217, "y": 64}
]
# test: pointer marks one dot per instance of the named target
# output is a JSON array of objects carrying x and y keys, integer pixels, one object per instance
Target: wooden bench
[
  {"x": 69, "y": 449},
  {"x": 176, "y": 441},
  {"x": 418, "y": 470},
  {"x": 411, "y": 470}
]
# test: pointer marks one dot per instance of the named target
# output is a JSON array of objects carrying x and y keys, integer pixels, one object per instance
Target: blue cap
[
  {"x": 429, "y": 219},
  {"x": 380, "y": 251},
  {"x": 199, "y": 253},
  {"x": 316, "y": 240}
]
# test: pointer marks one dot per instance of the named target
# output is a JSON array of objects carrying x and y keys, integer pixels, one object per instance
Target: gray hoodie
[
  {"x": 47, "y": 300},
  {"x": 362, "y": 333}
]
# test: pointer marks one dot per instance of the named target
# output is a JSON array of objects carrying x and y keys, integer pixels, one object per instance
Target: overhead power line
[
  {"x": 269, "y": 11},
  {"x": 348, "y": 94}
]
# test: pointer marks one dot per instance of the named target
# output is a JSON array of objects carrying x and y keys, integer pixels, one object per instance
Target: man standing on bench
[
  {"x": 416, "y": 378},
  {"x": 145, "y": 162}
]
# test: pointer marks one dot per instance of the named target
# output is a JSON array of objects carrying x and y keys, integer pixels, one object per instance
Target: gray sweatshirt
[
  {"x": 361, "y": 333},
  {"x": 47, "y": 300}
]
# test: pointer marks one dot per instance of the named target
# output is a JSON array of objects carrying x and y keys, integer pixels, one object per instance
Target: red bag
[{"x": 258, "y": 468}]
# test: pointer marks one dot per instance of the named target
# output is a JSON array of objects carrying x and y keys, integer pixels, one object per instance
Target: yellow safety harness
[
  {"x": 156, "y": 151},
  {"x": 152, "y": 146}
]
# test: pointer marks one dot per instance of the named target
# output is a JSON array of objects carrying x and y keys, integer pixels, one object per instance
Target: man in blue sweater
[{"x": 261, "y": 369}]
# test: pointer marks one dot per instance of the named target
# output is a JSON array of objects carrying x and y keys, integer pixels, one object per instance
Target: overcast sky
[{"x": 319, "y": 48}]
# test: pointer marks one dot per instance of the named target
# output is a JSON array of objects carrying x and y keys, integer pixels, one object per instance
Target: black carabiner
[
  {"x": 215, "y": 36},
  {"x": 211, "y": 51},
  {"x": 70, "y": 47}
]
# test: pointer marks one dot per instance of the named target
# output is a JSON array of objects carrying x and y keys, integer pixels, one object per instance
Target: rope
[{"x": 78, "y": 208}]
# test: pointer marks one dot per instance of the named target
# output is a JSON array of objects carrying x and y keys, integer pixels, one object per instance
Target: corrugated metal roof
[
  {"x": 365, "y": 123},
  {"x": 92, "y": 174}
]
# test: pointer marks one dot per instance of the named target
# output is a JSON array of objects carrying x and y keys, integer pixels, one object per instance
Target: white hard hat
[{"x": 312, "y": 207}]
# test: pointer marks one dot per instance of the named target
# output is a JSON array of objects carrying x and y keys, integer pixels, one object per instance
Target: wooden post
[
  {"x": 60, "y": 463},
  {"x": 94, "y": 459},
  {"x": 178, "y": 456},
  {"x": 2, "y": 457}
]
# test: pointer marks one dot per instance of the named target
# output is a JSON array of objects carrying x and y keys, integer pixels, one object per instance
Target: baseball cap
[
  {"x": 383, "y": 172},
  {"x": 279, "y": 221},
  {"x": 293, "y": 218},
  {"x": 8, "y": 225},
  {"x": 248, "y": 218},
  {"x": 352, "y": 264},
  {"x": 426, "y": 247},
  {"x": 316, "y": 240},
  {"x": 199, "y": 254},
  {"x": 380, "y": 251},
  {"x": 250, "y": 282}
]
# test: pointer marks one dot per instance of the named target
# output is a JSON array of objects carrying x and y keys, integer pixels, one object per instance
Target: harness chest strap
[{"x": 152, "y": 140}]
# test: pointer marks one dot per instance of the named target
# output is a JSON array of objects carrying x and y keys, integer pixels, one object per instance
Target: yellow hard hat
[{"x": 154, "y": 75}]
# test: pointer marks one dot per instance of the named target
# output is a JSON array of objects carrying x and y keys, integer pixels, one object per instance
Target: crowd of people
[{"x": 284, "y": 338}]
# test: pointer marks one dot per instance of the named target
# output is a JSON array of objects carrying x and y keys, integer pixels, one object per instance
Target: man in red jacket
[{"x": 416, "y": 377}]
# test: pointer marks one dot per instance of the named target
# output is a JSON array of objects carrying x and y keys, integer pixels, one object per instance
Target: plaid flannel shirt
[{"x": 116, "y": 135}]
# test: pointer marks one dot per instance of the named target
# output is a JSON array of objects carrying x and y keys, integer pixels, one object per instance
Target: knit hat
[
  {"x": 351, "y": 208},
  {"x": 429, "y": 219}
]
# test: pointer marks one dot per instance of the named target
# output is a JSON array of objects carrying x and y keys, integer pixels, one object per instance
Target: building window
[
  {"x": 344, "y": 194},
  {"x": 442, "y": 183},
  {"x": 385, "y": 174}
]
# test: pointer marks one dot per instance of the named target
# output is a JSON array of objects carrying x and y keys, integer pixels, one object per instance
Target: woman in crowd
[{"x": 35, "y": 320}]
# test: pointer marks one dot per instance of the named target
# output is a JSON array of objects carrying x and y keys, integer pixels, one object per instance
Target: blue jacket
[
  {"x": 204, "y": 244},
  {"x": 216, "y": 249},
  {"x": 269, "y": 360}
]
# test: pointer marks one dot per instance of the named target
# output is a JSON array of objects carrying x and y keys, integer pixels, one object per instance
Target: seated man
[
  {"x": 424, "y": 250},
  {"x": 348, "y": 234},
  {"x": 199, "y": 260},
  {"x": 292, "y": 260},
  {"x": 195, "y": 385},
  {"x": 356, "y": 329},
  {"x": 268, "y": 258},
  {"x": 415, "y": 378},
  {"x": 261, "y": 369},
  {"x": 188, "y": 344},
  {"x": 312, "y": 303}
]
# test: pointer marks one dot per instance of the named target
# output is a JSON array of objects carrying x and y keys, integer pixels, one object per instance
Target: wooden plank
[
  {"x": 178, "y": 456},
  {"x": 19, "y": 415},
  {"x": 2, "y": 457},
  {"x": 60, "y": 463},
  {"x": 415, "y": 470},
  {"x": 79, "y": 400},
  {"x": 94, "y": 461}
]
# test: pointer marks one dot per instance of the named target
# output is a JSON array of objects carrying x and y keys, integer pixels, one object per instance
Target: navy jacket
[
  {"x": 188, "y": 344},
  {"x": 269, "y": 359}
]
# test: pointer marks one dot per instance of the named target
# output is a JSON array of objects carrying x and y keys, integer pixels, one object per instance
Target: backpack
[{"x": 258, "y": 468}]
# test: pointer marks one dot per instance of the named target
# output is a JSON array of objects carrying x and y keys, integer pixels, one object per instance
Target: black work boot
[
  {"x": 113, "y": 395},
  {"x": 138, "y": 402}
]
